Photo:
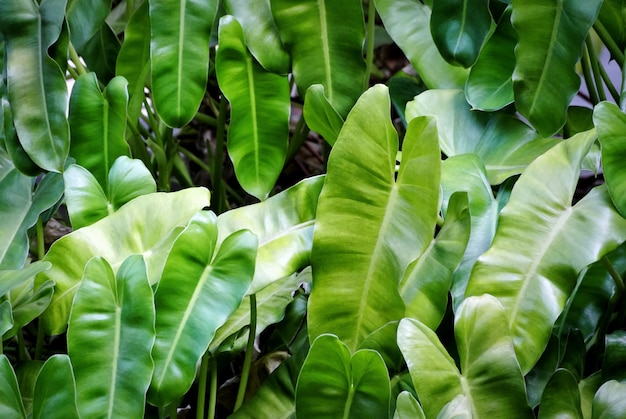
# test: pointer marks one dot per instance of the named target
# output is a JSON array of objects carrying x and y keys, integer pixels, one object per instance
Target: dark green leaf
[
  {"x": 11, "y": 405},
  {"x": 84, "y": 18},
  {"x": 614, "y": 362},
  {"x": 55, "y": 392},
  {"x": 561, "y": 397}
]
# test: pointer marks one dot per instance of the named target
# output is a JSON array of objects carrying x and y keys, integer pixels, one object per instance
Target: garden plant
[{"x": 312, "y": 208}]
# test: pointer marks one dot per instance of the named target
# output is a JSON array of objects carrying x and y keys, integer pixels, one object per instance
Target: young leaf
[
  {"x": 334, "y": 383},
  {"x": 320, "y": 115},
  {"x": 407, "y": 22},
  {"x": 459, "y": 29},
  {"x": 325, "y": 40},
  {"x": 55, "y": 390},
  {"x": 260, "y": 105},
  {"x": 11, "y": 405},
  {"x": 109, "y": 339},
  {"x": 200, "y": 288},
  {"x": 135, "y": 229},
  {"x": 543, "y": 242},
  {"x": 609, "y": 402},
  {"x": 550, "y": 39},
  {"x": 385, "y": 223},
  {"x": 28, "y": 303},
  {"x": 407, "y": 407},
  {"x": 179, "y": 49}
]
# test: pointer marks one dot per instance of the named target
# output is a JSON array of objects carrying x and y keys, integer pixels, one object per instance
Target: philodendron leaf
[
  {"x": 551, "y": 34},
  {"x": 459, "y": 29},
  {"x": 35, "y": 82},
  {"x": 28, "y": 303},
  {"x": 55, "y": 391},
  {"x": 320, "y": 115},
  {"x": 609, "y": 401},
  {"x": 407, "y": 407},
  {"x": 614, "y": 362},
  {"x": 491, "y": 379},
  {"x": 408, "y": 23},
  {"x": 200, "y": 288},
  {"x": 611, "y": 17},
  {"x": 20, "y": 159},
  {"x": 610, "y": 122},
  {"x": 325, "y": 40},
  {"x": 13, "y": 278},
  {"x": 262, "y": 37},
  {"x": 179, "y": 49},
  {"x": 109, "y": 339},
  {"x": 11, "y": 405},
  {"x": 385, "y": 223},
  {"x": 6, "y": 317},
  {"x": 504, "y": 143},
  {"x": 561, "y": 397},
  {"x": 137, "y": 228},
  {"x": 84, "y": 18},
  {"x": 260, "y": 105},
  {"x": 543, "y": 242},
  {"x": 284, "y": 226},
  {"x": 334, "y": 383},
  {"x": 489, "y": 85},
  {"x": 427, "y": 280},
  {"x": 98, "y": 124}
]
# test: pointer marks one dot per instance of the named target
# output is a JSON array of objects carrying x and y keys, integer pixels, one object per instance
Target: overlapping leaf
[
  {"x": 84, "y": 18},
  {"x": 320, "y": 114},
  {"x": 11, "y": 405},
  {"x": 55, "y": 392}
]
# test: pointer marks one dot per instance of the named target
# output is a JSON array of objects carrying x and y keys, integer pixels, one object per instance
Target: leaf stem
[
  {"x": 195, "y": 159},
  {"x": 217, "y": 201},
  {"x": 369, "y": 46},
  {"x": 202, "y": 379},
  {"x": 80, "y": 68},
  {"x": 609, "y": 84},
  {"x": 622, "y": 97},
  {"x": 610, "y": 43},
  {"x": 206, "y": 119},
  {"x": 213, "y": 395},
  {"x": 586, "y": 65},
  {"x": 593, "y": 59},
  {"x": 300, "y": 132},
  {"x": 245, "y": 373}
]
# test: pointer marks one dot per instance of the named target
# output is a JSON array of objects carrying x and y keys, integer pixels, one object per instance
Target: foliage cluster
[{"x": 462, "y": 254}]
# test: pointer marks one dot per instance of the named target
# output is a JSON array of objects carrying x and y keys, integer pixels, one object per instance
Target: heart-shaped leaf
[
  {"x": 407, "y": 407},
  {"x": 609, "y": 402}
]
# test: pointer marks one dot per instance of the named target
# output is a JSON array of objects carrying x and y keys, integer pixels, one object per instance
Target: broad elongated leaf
[
  {"x": 135, "y": 229},
  {"x": 11, "y": 405},
  {"x": 610, "y": 122},
  {"x": 325, "y": 40},
  {"x": 98, "y": 124},
  {"x": 55, "y": 390},
  {"x": 407, "y": 21},
  {"x": 35, "y": 82},
  {"x": 427, "y": 280},
  {"x": 505, "y": 144},
  {"x": 109, "y": 339},
  {"x": 19, "y": 157},
  {"x": 260, "y": 105},
  {"x": 489, "y": 85},
  {"x": 262, "y": 36},
  {"x": 284, "y": 226},
  {"x": 334, "y": 383},
  {"x": 491, "y": 379},
  {"x": 459, "y": 29},
  {"x": 561, "y": 397},
  {"x": 179, "y": 49},
  {"x": 199, "y": 290},
  {"x": 385, "y": 223},
  {"x": 609, "y": 401},
  {"x": 84, "y": 18},
  {"x": 14, "y": 278},
  {"x": 542, "y": 242},
  {"x": 320, "y": 114},
  {"x": 550, "y": 37}
]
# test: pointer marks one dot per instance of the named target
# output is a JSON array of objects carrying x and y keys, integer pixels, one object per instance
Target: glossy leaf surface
[
  {"x": 259, "y": 124},
  {"x": 320, "y": 114},
  {"x": 200, "y": 288},
  {"x": 386, "y": 223},
  {"x": 550, "y": 37},
  {"x": 179, "y": 75},
  {"x": 134, "y": 229},
  {"x": 109, "y": 338},
  {"x": 84, "y": 18},
  {"x": 55, "y": 392},
  {"x": 609, "y": 401},
  {"x": 334, "y": 383},
  {"x": 459, "y": 29},
  {"x": 561, "y": 397},
  {"x": 11, "y": 405},
  {"x": 325, "y": 40},
  {"x": 407, "y": 407},
  {"x": 539, "y": 245},
  {"x": 614, "y": 362}
]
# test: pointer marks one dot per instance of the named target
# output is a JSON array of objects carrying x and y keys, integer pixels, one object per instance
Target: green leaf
[
  {"x": 198, "y": 292},
  {"x": 98, "y": 124},
  {"x": 334, "y": 383},
  {"x": 408, "y": 23},
  {"x": 551, "y": 34},
  {"x": 6, "y": 317},
  {"x": 504, "y": 143},
  {"x": 12, "y": 278},
  {"x": 100, "y": 53},
  {"x": 612, "y": 18},
  {"x": 543, "y": 242},
  {"x": 84, "y": 18},
  {"x": 284, "y": 226},
  {"x": 407, "y": 407},
  {"x": 109, "y": 338},
  {"x": 427, "y": 280},
  {"x": 459, "y": 29},
  {"x": 55, "y": 390},
  {"x": 260, "y": 105},
  {"x": 614, "y": 362},
  {"x": 262, "y": 36},
  {"x": 320, "y": 115},
  {"x": 35, "y": 83},
  {"x": 28, "y": 303},
  {"x": 16, "y": 152},
  {"x": 325, "y": 40},
  {"x": 609, "y": 401},
  {"x": 135, "y": 229},
  {"x": 610, "y": 122},
  {"x": 179, "y": 49},
  {"x": 561, "y": 397},
  {"x": 491, "y": 380},
  {"x": 385, "y": 223},
  {"x": 489, "y": 85},
  {"x": 11, "y": 405}
]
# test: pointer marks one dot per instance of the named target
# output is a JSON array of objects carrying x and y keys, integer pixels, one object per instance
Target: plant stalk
[
  {"x": 610, "y": 43},
  {"x": 217, "y": 201},
  {"x": 80, "y": 68},
  {"x": 622, "y": 96},
  {"x": 213, "y": 389},
  {"x": 586, "y": 65},
  {"x": 245, "y": 373},
  {"x": 595, "y": 68}
]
